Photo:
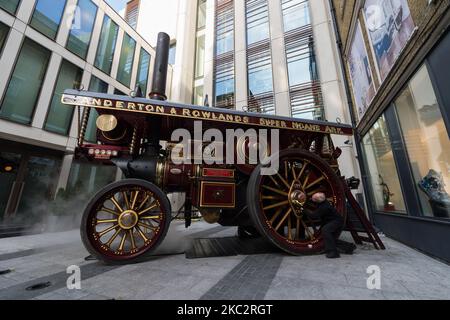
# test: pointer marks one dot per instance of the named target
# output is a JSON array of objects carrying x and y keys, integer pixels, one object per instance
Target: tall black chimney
[{"x": 160, "y": 69}]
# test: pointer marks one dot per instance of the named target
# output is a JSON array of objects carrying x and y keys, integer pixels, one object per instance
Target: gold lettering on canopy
[{"x": 203, "y": 114}]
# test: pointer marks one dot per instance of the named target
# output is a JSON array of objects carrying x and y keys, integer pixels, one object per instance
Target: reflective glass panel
[
  {"x": 26, "y": 82},
  {"x": 385, "y": 187},
  {"x": 107, "y": 45},
  {"x": 427, "y": 143},
  {"x": 81, "y": 30},
  {"x": 126, "y": 60},
  {"x": 47, "y": 16},
  {"x": 59, "y": 116}
]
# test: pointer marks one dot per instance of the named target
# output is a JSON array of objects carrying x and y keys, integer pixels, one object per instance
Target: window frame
[
  {"x": 90, "y": 37},
  {"x": 105, "y": 16},
  {"x": 51, "y": 100},
  {"x": 59, "y": 25},
  {"x": 401, "y": 155},
  {"x": 132, "y": 61},
  {"x": 39, "y": 95},
  {"x": 2, "y": 48},
  {"x": 15, "y": 12},
  {"x": 142, "y": 49}
]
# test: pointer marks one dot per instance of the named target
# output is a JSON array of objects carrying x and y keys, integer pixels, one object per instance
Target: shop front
[
  {"x": 407, "y": 159},
  {"x": 30, "y": 199},
  {"x": 28, "y": 179}
]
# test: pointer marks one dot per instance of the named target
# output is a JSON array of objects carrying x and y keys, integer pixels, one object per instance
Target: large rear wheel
[
  {"x": 276, "y": 202},
  {"x": 125, "y": 221}
]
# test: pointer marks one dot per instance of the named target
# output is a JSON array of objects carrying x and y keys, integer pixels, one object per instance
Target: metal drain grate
[{"x": 225, "y": 247}]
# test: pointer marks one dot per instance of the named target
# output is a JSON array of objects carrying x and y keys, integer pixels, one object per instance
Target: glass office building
[{"x": 88, "y": 47}]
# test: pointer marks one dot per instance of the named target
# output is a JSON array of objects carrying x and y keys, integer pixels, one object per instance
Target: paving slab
[{"x": 406, "y": 274}]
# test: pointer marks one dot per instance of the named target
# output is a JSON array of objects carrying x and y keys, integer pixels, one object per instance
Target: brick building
[{"x": 397, "y": 65}]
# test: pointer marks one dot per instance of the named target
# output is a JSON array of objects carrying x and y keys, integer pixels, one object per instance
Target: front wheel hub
[{"x": 128, "y": 219}]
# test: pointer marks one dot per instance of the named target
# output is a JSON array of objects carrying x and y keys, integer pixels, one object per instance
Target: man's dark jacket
[{"x": 326, "y": 213}]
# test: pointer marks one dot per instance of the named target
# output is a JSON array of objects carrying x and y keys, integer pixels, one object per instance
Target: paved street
[{"x": 405, "y": 273}]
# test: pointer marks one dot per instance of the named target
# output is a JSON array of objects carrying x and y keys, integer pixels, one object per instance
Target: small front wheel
[{"x": 125, "y": 220}]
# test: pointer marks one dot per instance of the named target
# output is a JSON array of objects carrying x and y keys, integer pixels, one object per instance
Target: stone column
[
  {"x": 240, "y": 55},
  {"x": 279, "y": 64}
]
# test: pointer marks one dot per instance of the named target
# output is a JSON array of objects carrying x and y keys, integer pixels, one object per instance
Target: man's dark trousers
[{"x": 331, "y": 232}]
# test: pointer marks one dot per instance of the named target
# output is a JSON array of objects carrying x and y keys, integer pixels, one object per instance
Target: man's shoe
[
  {"x": 345, "y": 247},
  {"x": 348, "y": 251},
  {"x": 333, "y": 255}
]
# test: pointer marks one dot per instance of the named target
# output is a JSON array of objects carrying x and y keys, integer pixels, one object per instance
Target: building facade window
[
  {"x": 59, "y": 117},
  {"x": 199, "y": 71},
  {"x": 81, "y": 30},
  {"x": 100, "y": 86},
  {"x": 304, "y": 84},
  {"x": 39, "y": 186},
  {"x": 427, "y": 143},
  {"x": 143, "y": 70},
  {"x": 172, "y": 53},
  {"x": 199, "y": 95},
  {"x": 201, "y": 14},
  {"x": 257, "y": 15},
  {"x": 200, "y": 57},
  {"x": 386, "y": 192},
  {"x": 8, "y": 179},
  {"x": 224, "y": 26},
  {"x": 107, "y": 45},
  {"x": 47, "y": 17},
  {"x": 259, "y": 58},
  {"x": 26, "y": 81},
  {"x": 86, "y": 179},
  {"x": 295, "y": 14},
  {"x": 224, "y": 87},
  {"x": 4, "y": 31},
  {"x": 126, "y": 60},
  {"x": 224, "y": 76},
  {"x": 10, "y": 5}
]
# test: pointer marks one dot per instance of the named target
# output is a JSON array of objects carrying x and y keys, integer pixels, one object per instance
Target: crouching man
[{"x": 332, "y": 223}]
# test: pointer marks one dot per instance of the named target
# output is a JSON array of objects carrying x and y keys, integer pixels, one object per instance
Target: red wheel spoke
[
  {"x": 133, "y": 203},
  {"x": 284, "y": 219},
  {"x": 102, "y": 233},
  {"x": 122, "y": 242},
  {"x": 152, "y": 206},
  {"x": 276, "y": 191},
  {"x": 125, "y": 197},
  {"x": 143, "y": 202},
  {"x": 141, "y": 234},
  {"x": 114, "y": 201},
  {"x": 114, "y": 236},
  {"x": 107, "y": 221},
  {"x": 275, "y": 216},
  {"x": 284, "y": 181},
  {"x": 133, "y": 243},
  {"x": 315, "y": 182},
  {"x": 276, "y": 205},
  {"x": 110, "y": 211}
]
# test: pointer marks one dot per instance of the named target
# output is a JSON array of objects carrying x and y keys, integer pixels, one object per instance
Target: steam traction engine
[{"x": 130, "y": 218}]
